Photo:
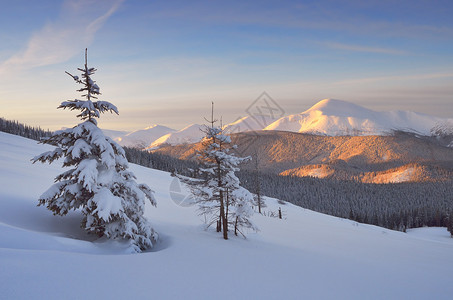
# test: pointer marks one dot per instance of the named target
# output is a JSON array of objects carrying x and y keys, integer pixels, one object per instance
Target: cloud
[
  {"x": 58, "y": 41},
  {"x": 358, "y": 48},
  {"x": 395, "y": 78}
]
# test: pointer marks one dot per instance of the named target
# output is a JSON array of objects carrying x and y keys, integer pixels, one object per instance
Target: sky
[{"x": 163, "y": 62}]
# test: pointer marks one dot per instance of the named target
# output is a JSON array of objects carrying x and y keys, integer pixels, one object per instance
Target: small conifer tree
[
  {"x": 218, "y": 193},
  {"x": 98, "y": 180}
]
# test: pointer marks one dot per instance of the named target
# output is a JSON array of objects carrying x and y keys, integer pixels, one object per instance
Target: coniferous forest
[
  {"x": 396, "y": 206},
  {"x": 14, "y": 127}
]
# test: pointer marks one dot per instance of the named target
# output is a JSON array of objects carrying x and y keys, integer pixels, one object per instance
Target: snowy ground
[{"x": 306, "y": 256}]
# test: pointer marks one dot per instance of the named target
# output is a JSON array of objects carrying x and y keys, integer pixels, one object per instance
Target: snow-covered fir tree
[
  {"x": 98, "y": 180},
  {"x": 218, "y": 193}
]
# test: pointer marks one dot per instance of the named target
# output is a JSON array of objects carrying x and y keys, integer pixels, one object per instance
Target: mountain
[
  {"x": 190, "y": 134},
  {"x": 194, "y": 132},
  {"x": 143, "y": 138},
  {"x": 44, "y": 256},
  {"x": 249, "y": 123},
  {"x": 372, "y": 159},
  {"x": 114, "y": 133},
  {"x": 444, "y": 133},
  {"x": 327, "y": 117},
  {"x": 337, "y": 117}
]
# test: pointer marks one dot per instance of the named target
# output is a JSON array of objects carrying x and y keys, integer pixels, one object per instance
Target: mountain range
[{"x": 328, "y": 117}]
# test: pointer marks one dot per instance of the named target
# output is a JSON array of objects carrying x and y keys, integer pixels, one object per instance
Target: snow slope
[
  {"x": 306, "y": 256},
  {"x": 190, "y": 134},
  {"x": 142, "y": 138},
  {"x": 337, "y": 117}
]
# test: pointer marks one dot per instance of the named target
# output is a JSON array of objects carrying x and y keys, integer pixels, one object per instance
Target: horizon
[{"x": 163, "y": 63}]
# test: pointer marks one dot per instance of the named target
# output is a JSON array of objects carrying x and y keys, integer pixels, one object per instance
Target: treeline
[
  {"x": 14, "y": 127},
  {"x": 395, "y": 206},
  {"x": 160, "y": 162}
]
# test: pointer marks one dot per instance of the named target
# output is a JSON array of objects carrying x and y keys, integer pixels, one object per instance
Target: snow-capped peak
[
  {"x": 337, "y": 117},
  {"x": 334, "y": 107},
  {"x": 154, "y": 126}
]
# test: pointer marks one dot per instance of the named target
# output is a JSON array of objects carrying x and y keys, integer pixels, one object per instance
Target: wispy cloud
[
  {"x": 359, "y": 48},
  {"x": 58, "y": 41},
  {"x": 395, "y": 78}
]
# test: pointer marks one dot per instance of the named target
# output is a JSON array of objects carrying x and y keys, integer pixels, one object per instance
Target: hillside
[
  {"x": 307, "y": 255},
  {"x": 374, "y": 159}
]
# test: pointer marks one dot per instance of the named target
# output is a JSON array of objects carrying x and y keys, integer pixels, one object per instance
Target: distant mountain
[
  {"x": 328, "y": 117},
  {"x": 444, "y": 133},
  {"x": 249, "y": 123},
  {"x": 337, "y": 117},
  {"x": 114, "y": 133},
  {"x": 190, "y": 134},
  {"x": 143, "y": 138}
]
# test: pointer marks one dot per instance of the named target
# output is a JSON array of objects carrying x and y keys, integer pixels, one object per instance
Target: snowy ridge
[
  {"x": 248, "y": 123},
  {"x": 142, "y": 138},
  {"x": 113, "y": 134},
  {"x": 337, "y": 117},
  {"x": 190, "y": 134}
]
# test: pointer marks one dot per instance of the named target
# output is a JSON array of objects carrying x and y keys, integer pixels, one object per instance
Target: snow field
[{"x": 306, "y": 256}]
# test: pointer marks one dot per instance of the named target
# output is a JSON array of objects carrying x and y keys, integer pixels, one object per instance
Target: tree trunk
[
  {"x": 227, "y": 204},
  {"x": 222, "y": 217}
]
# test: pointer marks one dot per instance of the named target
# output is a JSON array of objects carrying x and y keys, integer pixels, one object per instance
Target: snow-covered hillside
[
  {"x": 337, "y": 117},
  {"x": 308, "y": 255}
]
